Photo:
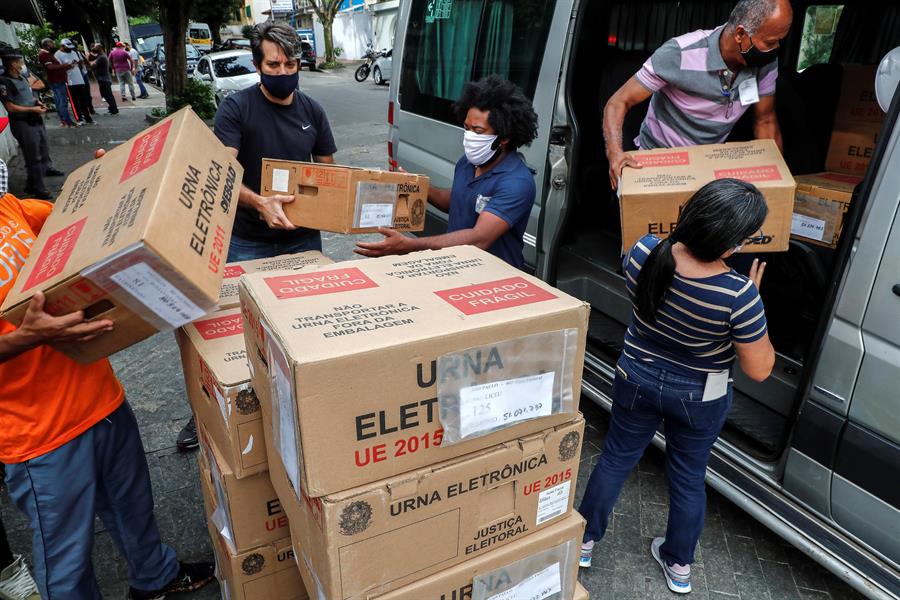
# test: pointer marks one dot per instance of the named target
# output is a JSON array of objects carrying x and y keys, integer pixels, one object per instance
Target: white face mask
[{"x": 478, "y": 147}]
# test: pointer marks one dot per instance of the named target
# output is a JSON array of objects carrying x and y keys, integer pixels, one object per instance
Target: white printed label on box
[
  {"x": 808, "y": 227},
  {"x": 376, "y": 215},
  {"x": 159, "y": 296},
  {"x": 553, "y": 502},
  {"x": 280, "y": 180},
  {"x": 542, "y": 584},
  {"x": 500, "y": 403},
  {"x": 283, "y": 405}
]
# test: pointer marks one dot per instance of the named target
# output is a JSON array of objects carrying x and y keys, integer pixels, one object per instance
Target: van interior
[{"x": 613, "y": 40}]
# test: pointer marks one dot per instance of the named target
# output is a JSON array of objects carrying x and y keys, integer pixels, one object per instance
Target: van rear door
[{"x": 442, "y": 44}]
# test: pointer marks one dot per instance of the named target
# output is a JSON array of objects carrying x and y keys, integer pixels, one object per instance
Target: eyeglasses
[{"x": 762, "y": 238}]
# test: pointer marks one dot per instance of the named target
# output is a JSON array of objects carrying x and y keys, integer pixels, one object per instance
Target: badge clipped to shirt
[
  {"x": 749, "y": 92},
  {"x": 481, "y": 202}
]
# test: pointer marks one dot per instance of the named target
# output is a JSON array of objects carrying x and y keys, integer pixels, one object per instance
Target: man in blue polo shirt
[{"x": 493, "y": 189}]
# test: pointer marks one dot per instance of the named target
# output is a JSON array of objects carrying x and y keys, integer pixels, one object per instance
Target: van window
[
  {"x": 817, "y": 42},
  {"x": 450, "y": 42},
  {"x": 645, "y": 26},
  {"x": 199, "y": 34}
]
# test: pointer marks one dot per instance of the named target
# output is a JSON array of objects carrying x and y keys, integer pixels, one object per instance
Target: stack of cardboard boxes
[
  {"x": 823, "y": 198},
  {"x": 248, "y": 528},
  {"x": 420, "y": 418}
]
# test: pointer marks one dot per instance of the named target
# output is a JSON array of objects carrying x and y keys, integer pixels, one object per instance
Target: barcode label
[
  {"x": 553, "y": 502},
  {"x": 156, "y": 293}
]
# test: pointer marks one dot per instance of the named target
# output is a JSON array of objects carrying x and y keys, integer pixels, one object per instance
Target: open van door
[{"x": 442, "y": 44}]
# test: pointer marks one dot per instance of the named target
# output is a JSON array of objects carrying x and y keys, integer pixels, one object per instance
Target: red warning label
[
  {"x": 232, "y": 271},
  {"x": 760, "y": 173},
  {"x": 494, "y": 295},
  {"x": 319, "y": 282},
  {"x": 663, "y": 159},
  {"x": 219, "y": 327},
  {"x": 146, "y": 150},
  {"x": 55, "y": 254}
]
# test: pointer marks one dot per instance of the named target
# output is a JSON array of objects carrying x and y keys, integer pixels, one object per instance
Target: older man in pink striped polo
[{"x": 701, "y": 83}]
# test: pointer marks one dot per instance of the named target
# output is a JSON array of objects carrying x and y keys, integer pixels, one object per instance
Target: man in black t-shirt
[{"x": 272, "y": 120}]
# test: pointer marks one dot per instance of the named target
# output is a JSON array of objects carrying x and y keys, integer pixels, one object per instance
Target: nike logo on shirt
[{"x": 305, "y": 127}]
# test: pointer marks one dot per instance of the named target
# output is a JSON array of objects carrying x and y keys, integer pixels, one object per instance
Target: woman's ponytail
[{"x": 654, "y": 280}]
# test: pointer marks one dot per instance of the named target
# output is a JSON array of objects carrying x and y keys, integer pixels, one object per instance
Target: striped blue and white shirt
[{"x": 698, "y": 322}]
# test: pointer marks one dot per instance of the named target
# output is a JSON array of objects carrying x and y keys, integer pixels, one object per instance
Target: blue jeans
[
  {"x": 139, "y": 79},
  {"x": 643, "y": 396},
  {"x": 242, "y": 249},
  {"x": 103, "y": 471},
  {"x": 61, "y": 99}
]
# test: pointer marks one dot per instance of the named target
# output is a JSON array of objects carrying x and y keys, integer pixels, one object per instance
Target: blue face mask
[{"x": 280, "y": 86}]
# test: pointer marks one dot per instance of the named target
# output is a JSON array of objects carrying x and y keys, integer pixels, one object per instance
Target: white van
[
  {"x": 200, "y": 36},
  {"x": 814, "y": 451}
]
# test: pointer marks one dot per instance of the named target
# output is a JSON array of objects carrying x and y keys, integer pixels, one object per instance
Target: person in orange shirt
[{"x": 71, "y": 444}]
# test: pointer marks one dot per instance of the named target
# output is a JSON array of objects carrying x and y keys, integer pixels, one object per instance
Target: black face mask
[
  {"x": 754, "y": 57},
  {"x": 280, "y": 86}
]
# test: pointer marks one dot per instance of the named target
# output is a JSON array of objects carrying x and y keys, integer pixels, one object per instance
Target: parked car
[
  {"x": 813, "y": 452},
  {"x": 235, "y": 44},
  {"x": 227, "y": 72},
  {"x": 383, "y": 68},
  {"x": 307, "y": 56},
  {"x": 157, "y": 64}
]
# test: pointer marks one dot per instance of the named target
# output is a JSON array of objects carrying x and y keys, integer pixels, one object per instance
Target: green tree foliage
[{"x": 326, "y": 11}]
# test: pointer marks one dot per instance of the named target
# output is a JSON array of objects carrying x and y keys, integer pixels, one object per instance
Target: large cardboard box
[
  {"x": 651, "y": 198},
  {"x": 268, "y": 572},
  {"x": 347, "y": 199},
  {"x": 246, "y": 512},
  {"x": 228, "y": 295},
  {"x": 217, "y": 378},
  {"x": 373, "y": 539},
  {"x": 138, "y": 236},
  {"x": 357, "y": 355},
  {"x": 852, "y": 147},
  {"x": 544, "y": 557},
  {"x": 820, "y": 206},
  {"x": 857, "y": 102}
]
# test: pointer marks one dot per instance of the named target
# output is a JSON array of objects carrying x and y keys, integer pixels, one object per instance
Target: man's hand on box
[
  {"x": 39, "y": 327},
  {"x": 394, "y": 242},
  {"x": 271, "y": 208},
  {"x": 617, "y": 162}
]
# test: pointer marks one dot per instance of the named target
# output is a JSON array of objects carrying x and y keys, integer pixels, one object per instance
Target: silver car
[
  {"x": 383, "y": 69},
  {"x": 227, "y": 72}
]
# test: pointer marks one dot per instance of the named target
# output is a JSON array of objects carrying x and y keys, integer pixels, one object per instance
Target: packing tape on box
[
  {"x": 284, "y": 418},
  {"x": 536, "y": 577},
  {"x": 220, "y": 517},
  {"x": 487, "y": 388},
  {"x": 140, "y": 280}
]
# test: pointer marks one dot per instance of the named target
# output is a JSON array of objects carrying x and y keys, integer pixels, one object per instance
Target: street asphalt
[{"x": 737, "y": 558}]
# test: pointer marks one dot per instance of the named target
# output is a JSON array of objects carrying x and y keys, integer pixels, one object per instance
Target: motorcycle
[{"x": 362, "y": 73}]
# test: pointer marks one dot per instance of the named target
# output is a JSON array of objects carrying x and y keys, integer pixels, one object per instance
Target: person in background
[
  {"x": 68, "y": 56},
  {"x": 692, "y": 315},
  {"x": 27, "y": 123},
  {"x": 272, "y": 119},
  {"x": 124, "y": 68},
  {"x": 99, "y": 64},
  {"x": 16, "y": 581},
  {"x": 58, "y": 80},
  {"x": 493, "y": 189},
  {"x": 138, "y": 70},
  {"x": 71, "y": 445},
  {"x": 701, "y": 83},
  {"x": 86, "y": 72}
]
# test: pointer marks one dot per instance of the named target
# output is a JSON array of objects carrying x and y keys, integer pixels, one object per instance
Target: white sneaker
[
  {"x": 16, "y": 583},
  {"x": 587, "y": 550},
  {"x": 680, "y": 583}
]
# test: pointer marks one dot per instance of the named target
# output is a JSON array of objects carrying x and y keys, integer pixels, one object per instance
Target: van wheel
[{"x": 376, "y": 76}]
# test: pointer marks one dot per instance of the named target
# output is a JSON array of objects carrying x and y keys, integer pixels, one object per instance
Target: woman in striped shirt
[{"x": 692, "y": 315}]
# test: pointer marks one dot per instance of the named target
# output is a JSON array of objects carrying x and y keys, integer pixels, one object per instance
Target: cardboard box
[
  {"x": 851, "y": 148},
  {"x": 857, "y": 102},
  {"x": 217, "y": 378},
  {"x": 268, "y": 572},
  {"x": 580, "y": 592},
  {"x": 377, "y": 538},
  {"x": 651, "y": 197},
  {"x": 347, "y": 199},
  {"x": 351, "y": 358},
  {"x": 456, "y": 583},
  {"x": 246, "y": 512},
  {"x": 228, "y": 295},
  {"x": 138, "y": 236},
  {"x": 819, "y": 208}
]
